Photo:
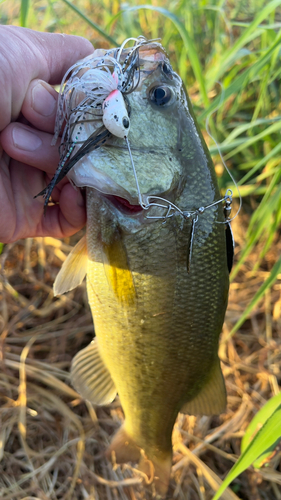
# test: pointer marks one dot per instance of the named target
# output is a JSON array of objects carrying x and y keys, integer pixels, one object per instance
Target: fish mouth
[
  {"x": 124, "y": 195},
  {"x": 124, "y": 206},
  {"x": 156, "y": 206}
]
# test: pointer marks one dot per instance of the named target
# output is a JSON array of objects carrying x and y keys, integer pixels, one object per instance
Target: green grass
[
  {"x": 238, "y": 44},
  {"x": 259, "y": 442}
]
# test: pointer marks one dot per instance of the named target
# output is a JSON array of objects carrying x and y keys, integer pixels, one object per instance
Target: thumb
[{"x": 26, "y": 55}]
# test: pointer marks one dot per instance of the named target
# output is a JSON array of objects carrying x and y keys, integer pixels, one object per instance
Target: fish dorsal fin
[
  {"x": 73, "y": 270},
  {"x": 211, "y": 400},
  {"x": 90, "y": 377},
  {"x": 118, "y": 273}
]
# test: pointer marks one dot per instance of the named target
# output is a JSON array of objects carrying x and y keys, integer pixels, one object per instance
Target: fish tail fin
[
  {"x": 124, "y": 447},
  {"x": 156, "y": 468}
]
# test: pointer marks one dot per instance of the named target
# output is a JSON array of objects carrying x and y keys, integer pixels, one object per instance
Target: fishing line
[
  {"x": 145, "y": 207},
  {"x": 227, "y": 207}
]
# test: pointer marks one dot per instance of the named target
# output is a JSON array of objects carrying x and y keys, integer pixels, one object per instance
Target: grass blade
[
  {"x": 257, "y": 422},
  {"x": 261, "y": 220},
  {"x": 92, "y": 24},
  {"x": 258, "y": 296},
  {"x": 248, "y": 35},
  {"x": 243, "y": 78},
  {"x": 24, "y": 7},
  {"x": 265, "y": 437},
  {"x": 275, "y": 127},
  {"x": 240, "y": 129},
  {"x": 260, "y": 163},
  {"x": 188, "y": 43}
]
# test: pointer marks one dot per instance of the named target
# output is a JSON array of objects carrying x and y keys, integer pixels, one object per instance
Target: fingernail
[
  {"x": 42, "y": 101},
  {"x": 26, "y": 140}
]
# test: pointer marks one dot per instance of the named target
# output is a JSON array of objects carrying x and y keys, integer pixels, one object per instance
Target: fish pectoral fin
[
  {"x": 211, "y": 400},
  {"x": 117, "y": 270},
  {"x": 73, "y": 270},
  {"x": 90, "y": 377}
]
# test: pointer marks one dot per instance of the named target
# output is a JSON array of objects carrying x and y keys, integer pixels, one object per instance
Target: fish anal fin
[
  {"x": 117, "y": 270},
  {"x": 211, "y": 400},
  {"x": 73, "y": 270},
  {"x": 90, "y": 377}
]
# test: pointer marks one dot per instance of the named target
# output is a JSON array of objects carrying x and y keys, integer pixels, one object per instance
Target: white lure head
[{"x": 115, "y": 115}]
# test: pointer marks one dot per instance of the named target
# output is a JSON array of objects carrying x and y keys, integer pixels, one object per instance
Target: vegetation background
[{"x": 229, "y": 56}]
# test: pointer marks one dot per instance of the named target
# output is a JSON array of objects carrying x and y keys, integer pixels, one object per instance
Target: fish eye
[
  {"x": 125, "y": 122},
  {"x": 160, "y": 95}
]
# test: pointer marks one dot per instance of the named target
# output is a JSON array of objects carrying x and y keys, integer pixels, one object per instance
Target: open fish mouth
[
  {"x": 114, "y": 172},
  {"x": 125, "y": 206}
]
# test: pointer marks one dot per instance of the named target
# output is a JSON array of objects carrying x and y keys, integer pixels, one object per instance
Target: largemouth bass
[{"x": 155, "y": 249}]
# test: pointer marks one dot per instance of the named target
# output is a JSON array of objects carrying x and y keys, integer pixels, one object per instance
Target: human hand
[{"x": 28, "y": 60}]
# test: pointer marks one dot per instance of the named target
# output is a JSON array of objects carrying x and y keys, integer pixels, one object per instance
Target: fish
[{"x": 155, "y": 251}]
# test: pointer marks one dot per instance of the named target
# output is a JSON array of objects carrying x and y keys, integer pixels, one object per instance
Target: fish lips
[
  {"x": 92, "y": 172},
  {"x": 124, "y": 206},
  {"x": 84, "y": 175}
]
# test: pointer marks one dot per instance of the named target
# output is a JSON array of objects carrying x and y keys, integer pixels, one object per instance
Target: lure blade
[
  {"x": 190, "y": 243},
  {"x": 230, "y": 245}
]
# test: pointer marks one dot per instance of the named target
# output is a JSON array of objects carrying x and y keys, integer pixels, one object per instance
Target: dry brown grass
[{"x": 52, "y": 443}]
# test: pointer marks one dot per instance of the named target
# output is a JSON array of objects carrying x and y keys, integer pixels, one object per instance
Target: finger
[
  {"x": 22, "y": 216},
  {"x": 56, "y": 193},
  {"x": 40, "y": 105},
  {"x": 30, "y": 146},
  {"x": 27, "y": 55},
  {"x": 66, "y": 218}
]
